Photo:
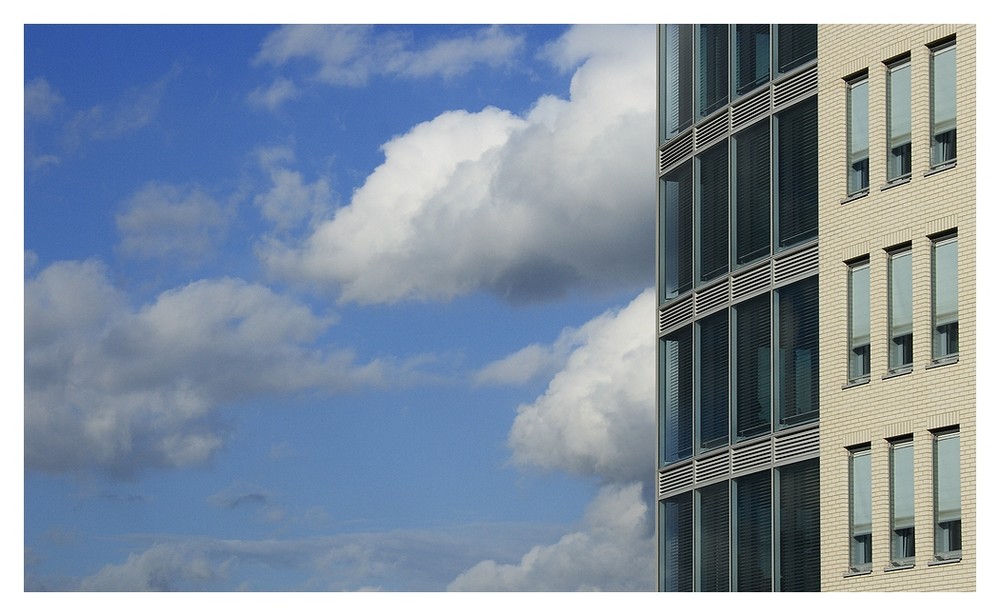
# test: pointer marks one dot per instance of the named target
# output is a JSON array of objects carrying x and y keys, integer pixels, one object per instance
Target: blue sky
[{"x": 338, "y": 307}]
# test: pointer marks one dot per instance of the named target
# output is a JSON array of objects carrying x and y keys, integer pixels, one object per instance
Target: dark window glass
[
  {"x": 677, "y": 544},
  {"x": 676, "y": 79},
  {"x": 798, "y": 527},
  {"x": 713, "y": 538},
  {"x": 797, "y": 357},
  {"x": 713, "y": 212},
  {"x": 796, "y": 45},
  {"x": 713, "y": 68},
  {"x": 713, "y": 381},
  {"x": 676, "y": 385},
  {"x": 753, "y": 56},
  {"x": 753, "y": 532},
  {"x": 753, "y": 367},
  {"x": 798, "y": 194},
  {"x": 752, "y": 210},
  {"x": 676, "y": 233}
]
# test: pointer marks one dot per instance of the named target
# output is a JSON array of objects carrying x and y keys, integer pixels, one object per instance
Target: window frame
[
  {"x": 860, "y": 543},
  {"x": 951, "y": 335},
  {"x": 859, "y": 363},
  {"x": 949, "y": 534},
  {"x": 902, "y": 551},
  {"x": 902, "y": 140},
  {"x": 904, "y": 347},
  {"x": 937, "y": 161},
  {"x": 855, "y": 83}
]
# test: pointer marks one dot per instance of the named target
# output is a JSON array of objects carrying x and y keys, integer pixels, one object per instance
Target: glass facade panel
[
  {"x": 860, "y": 321},
  {"x": 752, "y": 57},
  {"x": 796, "y": 45},
  {"x": 797, "y": 355},
  {"x": 713, "y": 381},
  {"x": 901, "y": 466},
  {"x": 713, "y": 68},
  {"x": 798, "y": 527},
  {"x": 899, "y": 120},
  {"x": 752, "y": 194},
  {"x": 713, "y": 538},
  {"x": 857, "y": 136},
  {"x": 947, "y": 496},
  {"x": 798, "y": 173},
  {"x": 676, "y": 79},
  {"x": 753, "y": 532},
  {"x": 677, "y": 544},
  {"x": 713, "y": 212},
  {"x": 676, "y": 232},
  {"x": 752, "y": 396},
  {"x": 943, "y": 110},
  {"x": 900, "y": 309},
  {"x": 944, "y": 297},
  {"x": 861, "y": 509},
  {"x": 676, "y": 386}
]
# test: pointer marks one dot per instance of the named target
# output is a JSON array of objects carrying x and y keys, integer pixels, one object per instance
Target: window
[
  {"x": 797, "y": 527},
  {"x": 752, "y": 396},
  {"x": 676, "y": 79},
  {"x": 713, "y": 381},
  {"x": 752, "y": 194},
  {"x": 901, "y": 503},
  {"x": 857, "y": 135},
  {"x": 676, "y": 387},
  {"x": 676, "y": 232},
  {"x": 861, "y": 508},
  {"x": 713, "y": 212},
  {"x": 797, "y": 355},
  {"x": 752, "y": 57},
  {"x": 944, "y": 296},
  {"x": 943, "y": 105},
  {"x": 753, "y": 532},
  {"x": 947, "y": 496},
  {"x": 899, "y": 119},
  {"x": 713, "y": 68},
  {"x": 798, "y": 168},
  {"x": 677, "y": 544},
  {"x": 796, "y": 46},
  {"x": 859, "y": 321},
  {"x": 712, "y": 541},
  {"x": 900, "y": 309}
]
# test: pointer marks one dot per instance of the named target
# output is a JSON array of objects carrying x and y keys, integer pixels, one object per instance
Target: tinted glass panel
[
  {"x": 676, "y": 79},
  {"x": 713, "y": 538},
  {"x": 676, "y": 385},
  {"x": 752, "y": 211},
  {"x": 753, "y": 532},
  {"x": 753, "y": 367},
  {"x": 713, "y": 380},
  {"x": 798, "y": 527},
  {"x": 677, "y": 544},
  {"x": 676, "y": 232},
  {"x": 798, "y": 161},
  {"x": 713, "y": 68},
  {"x": 796, "y": 45},
  {"x": 713, "y": 212},
  {"x": 753, "y": 56},
  {"x": 797, "y": 356}
]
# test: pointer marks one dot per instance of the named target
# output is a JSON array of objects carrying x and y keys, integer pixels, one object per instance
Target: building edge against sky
[{"x": 816, "y": 307}]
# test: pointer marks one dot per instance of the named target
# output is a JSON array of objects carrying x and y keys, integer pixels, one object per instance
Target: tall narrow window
[
  {"x": 900, "y": 309},
  {"x": 676, "y": 79},
  {"x": 753, "y": 532},
  {"x": 677, "y": 544},
  {"x": 901, "y": 462},
  {"x": 676, "y": 232},
  {"x": 753, "y": 56},
  {"x": 713, "y": 212},
  {"x": 944, "y": 296},
  {"x": 943, "y": 110},
  {"x": 797, "y": 527},
  {"x": 860, "y": 321},
  {"x": 752, "y": 194},
  {"x": 947, "y": 496},
  {"x": 713, "y": 381},
  {"x": 861, "y": 509},
  {"x": 798, "y": 172},
  {"x": 752, "y": 395},
  {"x": 899, "y": 119},
  {"x": 796, "y": 46},
  {"x": 676, "y": 387},
  {"x": 713, "y": 68},
  {"x": 857, "y": 135},
  {"x": 712, "y": 541},
  {"x": 797, "y": 355}
]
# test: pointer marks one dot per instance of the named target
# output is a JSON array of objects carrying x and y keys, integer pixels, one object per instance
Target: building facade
[{"x": 816, "y": 263}]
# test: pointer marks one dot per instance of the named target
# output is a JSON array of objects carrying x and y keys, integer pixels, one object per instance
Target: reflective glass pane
[
  {"x": 753, "y": 367},
  {"x": 899, "y": 121},
  {"x": 857, "y": 137},
  {"x": 676, "y": 386},
  {"x": 753, "y": 56},
  {"x": 901, "y": 462},
  {"x": 860, "y": 321},
  {"x": 944, "y": 109},
  {"x": 677, "y": 544},
  {"x": 947, "y": 495},
  {"x": 798, "y": 527},
  {"x": 713, "y": 68},
  {"x": 861, "y": 508},
  {"x": 945, "y": 297},
  {"x": 752, "y": 209},
  {"x": 676, "y": 79},
  {"x": 797, "y": 355},
  {"x": 900, "y": 310},
  {"x": 713, "y": 212},
  {"x": 798, "y": 168},
  {"x": 676, "y": 232},
  {"x": 753, "y": 532},
  {"x": 713, "y": 381},
  {"x": 713, "y": 538}
]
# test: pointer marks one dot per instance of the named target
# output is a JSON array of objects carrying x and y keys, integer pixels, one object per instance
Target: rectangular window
[
  {"x": 947, "y": 496},
  {"x": 713, "y": 68},
  {"x": 713, "y": 381},
  {"x": 712, "y": 542},
  {"x": 944, "y": 114},
  {"x": 857, "y": 135},
  {"x": 798, "y": 172},
  {"x": 797, "y": 527},
  {"x": 752, "y": 395},
  {"x": 713, "y": 212},
  {"x": 899, "y": 119},
  {"x": 676, "y": 79},
  {"x": 676, "y": 388},
  {"x": 796, "y": 46},
  {"x": 676, "y": 232},
  {"x": 859, "y": 321},
  {"x": 753, "y": 532},
  {"x": 752, "y": 194},
  {"x": 753, "y": 57},
  {"x": 944, "y": 296},
  {"x": 861, "y": 508},
  {"x": 677, "y": 544},
  {"x": 900, "y": 309},
  {"x": 797, "y": 355},
  {"x": 901, "y": 504}
]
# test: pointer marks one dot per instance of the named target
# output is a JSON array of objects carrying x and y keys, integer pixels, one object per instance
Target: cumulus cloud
[
  {"x": 166, "y": 221},
  {"x": 349, "y": 54},
  {"x": 526, "y": 207},
  {"x": 291, "y": 201},
  {"x": 273, "y": 96},
  {"x": 40, "y": 99},
  {"x": 115, "y": 389}
]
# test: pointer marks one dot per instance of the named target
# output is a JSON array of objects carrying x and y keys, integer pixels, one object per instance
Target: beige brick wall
[{"x": 928, "y": 397}]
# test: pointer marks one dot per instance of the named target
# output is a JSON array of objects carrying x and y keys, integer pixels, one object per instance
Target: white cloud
[
  {"x": 291, "y": 201},
  {"x": 524, "y": 207},
  {"x": 161, "y": 220},
  {"x": 350, "y": 54},
  {"x": 111, "y": 388},
  {"x": 275, "y": 95},
  {"x": 40, "y": 99}
]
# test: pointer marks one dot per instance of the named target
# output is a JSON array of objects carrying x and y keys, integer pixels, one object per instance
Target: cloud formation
[
  {"x": 115, "y": 389},
  {"x": 527, "y": 208}
]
